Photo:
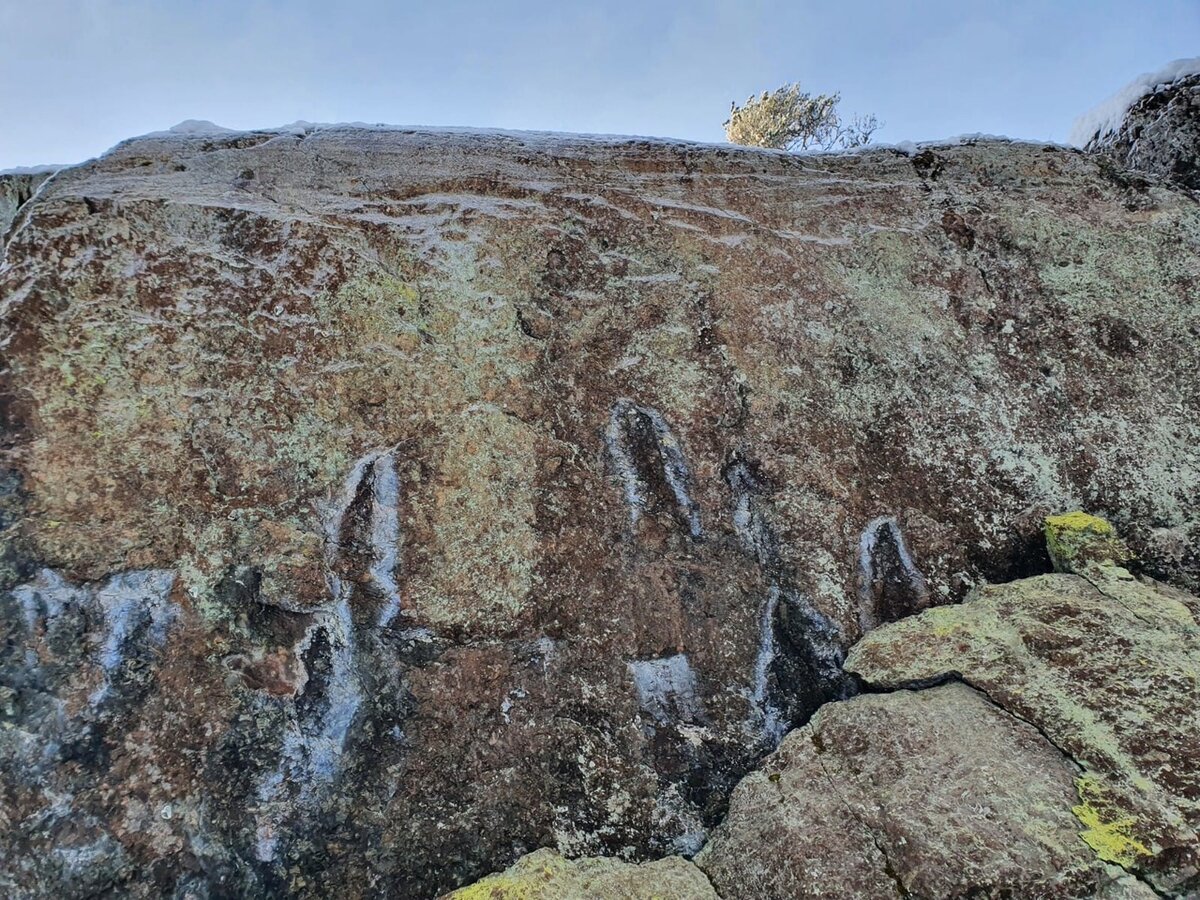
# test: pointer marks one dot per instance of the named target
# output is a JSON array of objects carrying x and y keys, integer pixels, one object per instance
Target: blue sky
[{"x": 79, "y": 75}]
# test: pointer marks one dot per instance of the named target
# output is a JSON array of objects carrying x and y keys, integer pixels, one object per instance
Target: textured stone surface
[
  {"x": 931, "y": 794},
  {"x": 1107, "y": 667},
  {"x": 522, "y": 491},
  {"x": 1160, "y": 134},
  {"x": 15, "y": 191},
  {"x": 545, "y": 875}
]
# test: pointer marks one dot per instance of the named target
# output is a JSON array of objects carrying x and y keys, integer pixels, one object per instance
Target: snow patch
[
  {"x": 1106, "y": 118},
  {"x": 199, "y": 126}
]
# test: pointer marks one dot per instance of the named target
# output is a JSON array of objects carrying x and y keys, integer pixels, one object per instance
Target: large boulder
[
  {"x": 1107, "y": 668},
  {"x": 381, "y": 505},
  {"x": 933, "y": 794}
]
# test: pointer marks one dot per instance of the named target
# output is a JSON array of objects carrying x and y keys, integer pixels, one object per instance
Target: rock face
[
  {"x": 381, "y": 506},
  {"x": 16, "y": 189},
  {"x": 1160, "y": 134},
  {"x": 1040, "y": 740}
]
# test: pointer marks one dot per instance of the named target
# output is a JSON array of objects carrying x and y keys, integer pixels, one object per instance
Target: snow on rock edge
[{"x": 1107, "y": 117}]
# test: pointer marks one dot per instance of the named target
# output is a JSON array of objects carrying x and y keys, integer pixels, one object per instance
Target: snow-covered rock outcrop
[{"x": 1152, "y": 125}]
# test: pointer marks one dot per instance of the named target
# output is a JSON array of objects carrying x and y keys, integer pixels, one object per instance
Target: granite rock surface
[{"x": 382, "y": 505}]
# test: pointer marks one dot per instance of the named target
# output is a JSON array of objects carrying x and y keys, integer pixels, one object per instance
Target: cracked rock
[
  {"x": 931, "y": 794},
  {"x": 1104, "y": 665}
]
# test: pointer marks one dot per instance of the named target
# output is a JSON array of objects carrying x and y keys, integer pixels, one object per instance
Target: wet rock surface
[{"x": 521, "y": 491}]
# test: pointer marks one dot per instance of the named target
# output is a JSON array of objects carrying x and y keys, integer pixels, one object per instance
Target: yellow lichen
[
  {"x": 1107, "y": 830},
  {"x": 1079, "y": 521},
  {"x": 1077, "y": 538},
  {"x": 528, "y": 879}
]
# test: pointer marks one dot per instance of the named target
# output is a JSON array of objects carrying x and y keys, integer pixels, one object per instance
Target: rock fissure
[{"x": 889, "y": 868}]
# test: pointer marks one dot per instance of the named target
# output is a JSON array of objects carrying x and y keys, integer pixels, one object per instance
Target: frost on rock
[
  {"x": 666, "y": 689},
  {"x": 198, "y": 126},
  {"x": 791, "y": 677},
  {"x": 46, "y": 598},
  {"x": 649, "y": 461},
  {"x": 756, "y": 538},
  {"x": 132, "y": 609},
  {"x": 890, "y": 585},
  {"x": 130, "y": 602},
  {"x": 1108, "y": 116}
]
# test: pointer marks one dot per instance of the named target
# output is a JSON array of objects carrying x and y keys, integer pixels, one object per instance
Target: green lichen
[
  {"x": 1107, "y": 830},
  {"x": 944, "y": 621},
  {"x": 1076, "y": 539}
]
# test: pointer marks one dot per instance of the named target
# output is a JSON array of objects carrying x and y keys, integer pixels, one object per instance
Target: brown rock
[
  {"x": 932, "y": 794},
  {"x": 1106, "y": 668},
  {"x": 327, "y": 398}
]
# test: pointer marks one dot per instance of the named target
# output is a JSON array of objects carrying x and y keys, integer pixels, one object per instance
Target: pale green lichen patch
[
  {"x": 198, "y": 440},
  {"x": 478, "y": 509},
  {"x": 545, "y": 875}
]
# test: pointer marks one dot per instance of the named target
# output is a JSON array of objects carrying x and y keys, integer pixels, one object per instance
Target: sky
[{"x": 77, "y": 76}]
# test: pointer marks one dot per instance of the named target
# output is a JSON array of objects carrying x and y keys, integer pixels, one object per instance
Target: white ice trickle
[
  {"x": 875, "y": 530},
  {"x": 385, "y": 534},
  {"x": 771, "y": 726},
  {"x": 666, "y": 688},
  {"x": 314, "y": 742},
  {"x": 384, "y": 537},
  {"x": 674, "y": 467}
]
